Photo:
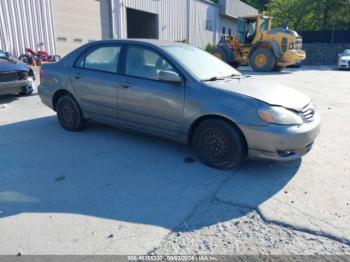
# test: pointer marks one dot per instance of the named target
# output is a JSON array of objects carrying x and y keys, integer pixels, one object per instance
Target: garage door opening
[{"x": 142, "y": 24}]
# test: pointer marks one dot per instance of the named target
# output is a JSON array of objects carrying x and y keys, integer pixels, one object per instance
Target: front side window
[
  {"x": 145, "y": 63},
  {"x": 101, "y": 59}
]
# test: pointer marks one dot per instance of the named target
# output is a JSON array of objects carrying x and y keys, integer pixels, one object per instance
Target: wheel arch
[
  {"x": 203, "y": 118},
  {"x": 59, "y": 93}
]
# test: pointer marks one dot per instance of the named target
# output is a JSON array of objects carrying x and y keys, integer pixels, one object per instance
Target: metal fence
[{"x": 326, "y": 36}]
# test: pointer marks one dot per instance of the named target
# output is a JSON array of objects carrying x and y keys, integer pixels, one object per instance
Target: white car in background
[{"x": 344, "y": 60}]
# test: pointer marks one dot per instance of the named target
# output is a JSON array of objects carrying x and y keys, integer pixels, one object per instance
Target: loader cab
[{"x": 251, "y": 27}]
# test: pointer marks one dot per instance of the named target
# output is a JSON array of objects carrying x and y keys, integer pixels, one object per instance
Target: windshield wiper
[{"x": 213, "y": 79}]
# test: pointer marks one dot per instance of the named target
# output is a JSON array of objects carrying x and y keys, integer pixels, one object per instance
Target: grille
[
  {"x": 9, "y": 76},
  {"x": 309, "y": 112}
]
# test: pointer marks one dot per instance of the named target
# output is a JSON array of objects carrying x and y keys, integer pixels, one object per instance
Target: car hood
[
  {"x": 6, "y": 66},
  {"x": 266, "y": 91}
]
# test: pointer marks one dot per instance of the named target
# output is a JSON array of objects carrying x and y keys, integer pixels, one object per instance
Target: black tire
[
  {"x": 219, "y": 144},
  {"x": 26, "y": 59},
  {"x": 69, "y": 114},
  {"x": 26, "y": 93},
  {"x": 277, "y": 68},
  {"x": 220, "y": 53},
  {"x": 263, "y": 67},
  {"x": 235, "y": 64}
]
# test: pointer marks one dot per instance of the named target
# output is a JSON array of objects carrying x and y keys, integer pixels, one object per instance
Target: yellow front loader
[{"x": 263, "y": 48}]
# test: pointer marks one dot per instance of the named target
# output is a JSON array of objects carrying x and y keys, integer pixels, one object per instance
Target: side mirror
[{"x": 169, "y": 76}]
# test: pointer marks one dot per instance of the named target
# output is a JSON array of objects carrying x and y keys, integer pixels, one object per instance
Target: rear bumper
[
  {"x": 45, "y": 96},
  {"x": 16, "y": 86},
  {"x": 281, "y": 143}
]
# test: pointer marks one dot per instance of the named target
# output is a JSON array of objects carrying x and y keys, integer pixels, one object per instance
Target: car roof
[{"x": 155, "y": 42}]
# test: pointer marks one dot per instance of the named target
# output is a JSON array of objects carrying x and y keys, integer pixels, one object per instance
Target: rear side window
[{"x": 102, "y": 59}]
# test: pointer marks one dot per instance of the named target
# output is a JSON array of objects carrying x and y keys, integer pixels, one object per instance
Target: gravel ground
[{"x": 246, "y": 234}]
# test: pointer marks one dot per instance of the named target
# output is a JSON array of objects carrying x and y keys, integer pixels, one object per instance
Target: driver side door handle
[{"x": 125, "y": 85}]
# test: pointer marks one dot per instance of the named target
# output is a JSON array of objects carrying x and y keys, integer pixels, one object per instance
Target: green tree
[{"x": 311, "y": 14}]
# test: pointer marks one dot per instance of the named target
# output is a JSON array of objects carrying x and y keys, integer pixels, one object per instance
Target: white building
[{"x": 63, "y": 25}]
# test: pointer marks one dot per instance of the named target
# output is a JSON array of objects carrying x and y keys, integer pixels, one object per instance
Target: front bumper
[
  {"x": 17, "y": 86},
  {"x": 344, "y": 65},
  {"x": 281, "y": 143}
]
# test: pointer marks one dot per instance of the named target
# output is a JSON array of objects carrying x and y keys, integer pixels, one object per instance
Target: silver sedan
[
  {"x": 344, "y": 60},
  {"x": 181, "y": 93}
]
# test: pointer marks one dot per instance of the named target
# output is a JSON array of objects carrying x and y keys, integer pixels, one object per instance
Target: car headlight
[{"x": 280, "y": 116}]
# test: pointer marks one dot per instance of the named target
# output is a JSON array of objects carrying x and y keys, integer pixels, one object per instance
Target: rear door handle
[
  {"x": 125, "y": 85},
  {"x": 76, "y": 76}
]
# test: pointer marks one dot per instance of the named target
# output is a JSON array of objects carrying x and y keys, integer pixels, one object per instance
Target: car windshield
[
  {"x": 346, "y": 53},
  {"x": 201, "y": 64},
  {"x": 2, "y": 54}
]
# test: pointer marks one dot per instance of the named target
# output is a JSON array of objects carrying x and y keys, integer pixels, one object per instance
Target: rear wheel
[
  {"x": 262, "y": 60},
  {"x": 219, "y": 144},
  {"x": 69, "y": 114},
  {"x": 221, "y": 54}
]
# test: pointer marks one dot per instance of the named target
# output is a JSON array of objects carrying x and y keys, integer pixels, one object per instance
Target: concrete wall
[
  {"x": 26, "y": 23},
  {"x": 77, "y": 22},
  {"x": 323, "y": 54},
  {"x": 204, "y": 23},
  {"x": 228, "y": 23},
  {"x": 172, "y": 19}
]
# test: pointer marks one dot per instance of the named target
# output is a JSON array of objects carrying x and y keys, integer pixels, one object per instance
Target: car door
[
  {"x": 95, "y": 81},
  {"x": 145, "y": 102}
]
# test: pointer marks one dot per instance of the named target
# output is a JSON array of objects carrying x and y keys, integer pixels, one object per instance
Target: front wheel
[
  {"x": 69, "y": 114},
  {"x": 262, "y": 60},
  {"x": 26, "y": 93},
  {"x": 219, "y": 144}
]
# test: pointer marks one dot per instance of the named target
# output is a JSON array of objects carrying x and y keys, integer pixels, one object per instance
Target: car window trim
[
  {"x": 95, "y": 47},
  {"x": 124, "y": 61}
]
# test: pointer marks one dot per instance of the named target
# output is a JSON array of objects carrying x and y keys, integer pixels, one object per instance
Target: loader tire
[
  {"x": 220, "y": 53},
  {"x": 262, "y": 60}
]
